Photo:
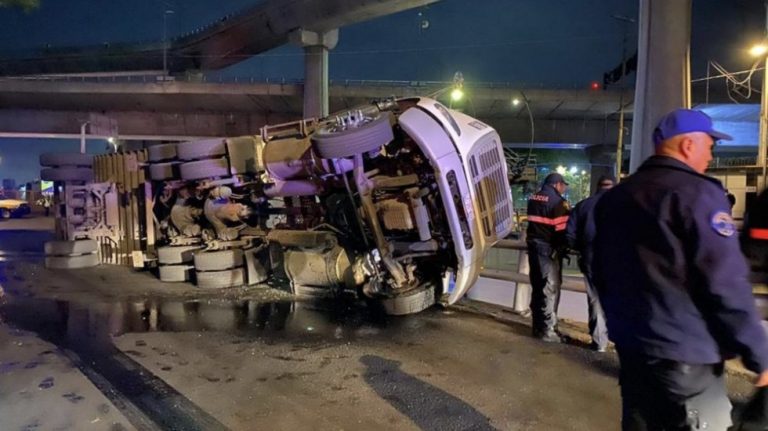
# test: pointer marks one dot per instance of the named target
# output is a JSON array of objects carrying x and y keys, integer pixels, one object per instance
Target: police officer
[
  {"x": 674, "y": 284},
  {"x": 580, "y": 233},
  {"x": 547, "y": 218}
]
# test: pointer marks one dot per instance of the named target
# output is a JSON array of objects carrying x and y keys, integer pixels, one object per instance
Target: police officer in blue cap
[
  {"x": 674, "y": 284},
  {"x": 545, "y": 236}
]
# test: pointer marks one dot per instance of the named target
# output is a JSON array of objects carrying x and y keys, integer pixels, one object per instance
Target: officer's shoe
[
  {"x": 548, "y": 336},
  {"x": 598, "y": 348}
]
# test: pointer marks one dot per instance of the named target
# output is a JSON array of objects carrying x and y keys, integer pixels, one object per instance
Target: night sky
[{"x": 531, "y": 43}]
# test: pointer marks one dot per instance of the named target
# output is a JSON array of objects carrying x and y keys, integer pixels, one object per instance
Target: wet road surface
[{"x": 165, "y": 357}]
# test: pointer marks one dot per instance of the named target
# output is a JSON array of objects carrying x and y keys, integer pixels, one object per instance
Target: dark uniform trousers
[
  {"x": 665, "y": 395},
  {"x": 546, "y": 278}
]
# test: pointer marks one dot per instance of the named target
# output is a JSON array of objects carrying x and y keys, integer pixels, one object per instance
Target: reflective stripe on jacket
[{"x": 547, "y": 217}]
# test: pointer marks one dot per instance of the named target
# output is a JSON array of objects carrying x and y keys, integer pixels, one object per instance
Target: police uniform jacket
[
  {"x": 669, "y": 271},
  {"x": 547, "y": 217}
]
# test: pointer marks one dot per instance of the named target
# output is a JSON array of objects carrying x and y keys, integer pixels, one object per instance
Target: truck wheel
[
  {"x": 332, "y": 144},
  {"x": 157, "y": 153},
  {"x": 67, "y": 173},
  {"x": 66, "y": 159},
  {"x": 218, "y": 260},
  {"x": 204, "y": 169},
  {"x": 175, "y": 254},
  {"x": 205, "y": 149},
  {"x": 175, "y": 273},
  {"x": 72, "y": 262},
  {"x": 68, "y": 248},
  {"x": 410, "y": 302},
  {"x": 5, "y": 213},
  {"x": 220, "y": 279},
  {"x": 162, "y": 171}
]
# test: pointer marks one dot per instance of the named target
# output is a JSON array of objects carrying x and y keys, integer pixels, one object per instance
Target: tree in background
[{"x": 27, "y": 5}]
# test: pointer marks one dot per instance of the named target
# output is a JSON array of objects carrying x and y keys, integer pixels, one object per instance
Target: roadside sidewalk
[
  {"x": 41, "y": 388},
  {"x": 577, "y": 333}
]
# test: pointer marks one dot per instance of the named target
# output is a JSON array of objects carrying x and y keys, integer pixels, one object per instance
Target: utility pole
[
  {"x": 762, "y": 146},
  {"x": 165, "y": 42},
  {"x": 620, "y": 139}
]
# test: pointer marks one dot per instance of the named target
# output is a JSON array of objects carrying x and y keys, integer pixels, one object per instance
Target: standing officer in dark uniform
[
  {"x": 674, "y": 284},
  {"x": 547, "y": 218},
  {"x": 580, "y": 234}
]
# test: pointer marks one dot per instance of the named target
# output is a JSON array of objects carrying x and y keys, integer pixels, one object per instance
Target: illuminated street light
[
  {"x": 560, "y": 170},
  {"x": 758, "y": 50},
  {"x": 111, "y": 140},
  {"x": 574, "y": 170},
  {"x": 457, "y": 94},
  {"x": 515, "y": 101}
]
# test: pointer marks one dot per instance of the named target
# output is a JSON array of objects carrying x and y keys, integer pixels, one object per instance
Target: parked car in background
[{"x": 13, "y": 208}]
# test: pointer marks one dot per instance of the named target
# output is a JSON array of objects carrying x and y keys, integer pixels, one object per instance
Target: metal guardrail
[{"x": 572, "y": 283}]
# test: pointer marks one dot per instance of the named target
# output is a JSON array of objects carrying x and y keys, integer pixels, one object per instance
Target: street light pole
[
  {"x": 762, "y": 145},
  {"x": 620, "y": 138},
  {"x": 165, "y": 41},
  {"x": 82, "y": 136}
]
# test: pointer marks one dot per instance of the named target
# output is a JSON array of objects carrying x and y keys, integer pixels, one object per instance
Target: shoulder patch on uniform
[{"x": 722, "y": 223}]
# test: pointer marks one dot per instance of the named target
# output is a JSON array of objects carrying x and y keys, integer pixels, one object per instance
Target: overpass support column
[
  {"x": 663, "y": 70},
  {"x": 316, "y": 46}
]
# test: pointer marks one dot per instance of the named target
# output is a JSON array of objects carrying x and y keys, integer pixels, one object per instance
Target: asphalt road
[{"x": 139, "y": 354}]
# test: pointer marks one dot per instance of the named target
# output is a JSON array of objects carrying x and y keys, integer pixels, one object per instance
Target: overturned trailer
[{"x": 396, "y": 201}]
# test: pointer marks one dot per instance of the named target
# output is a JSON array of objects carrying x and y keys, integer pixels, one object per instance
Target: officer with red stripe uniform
[{"x": 547, "y": 219}]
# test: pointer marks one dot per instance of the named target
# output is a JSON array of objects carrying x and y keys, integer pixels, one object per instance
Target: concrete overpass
[
  {"x": 183, "y": 110},
  {"x": 229, "y": 40}
]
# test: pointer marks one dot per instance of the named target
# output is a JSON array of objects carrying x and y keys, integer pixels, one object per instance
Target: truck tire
[
  {"x": 66, "y": 159},
  {"x": 410, "y": 302},
  {"x": 200, "y": 169},
  {"x": 175, "y": 254},
  {"x": 331, "y": 144},
  {"x": 72, "y": 262},
  {"x": 5, "y": 213},
  {"x": 218, "y": 260},
  {"x": 70, "y": 248},
  {"x": 197, "y": 150},
  {"x": 162, "y": 171},
  {"x": 67, "y": 173},
  {"x": 175, "y": 273},
  {"x": 158, "y": 153},
  {"x": 221, "y": 279}
]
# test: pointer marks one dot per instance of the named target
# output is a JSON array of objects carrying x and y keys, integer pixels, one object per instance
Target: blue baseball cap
[{"x": 682, "y": 121}]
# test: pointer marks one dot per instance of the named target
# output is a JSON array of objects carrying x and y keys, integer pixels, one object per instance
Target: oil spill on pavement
[{"x": 84, "y": 331}]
